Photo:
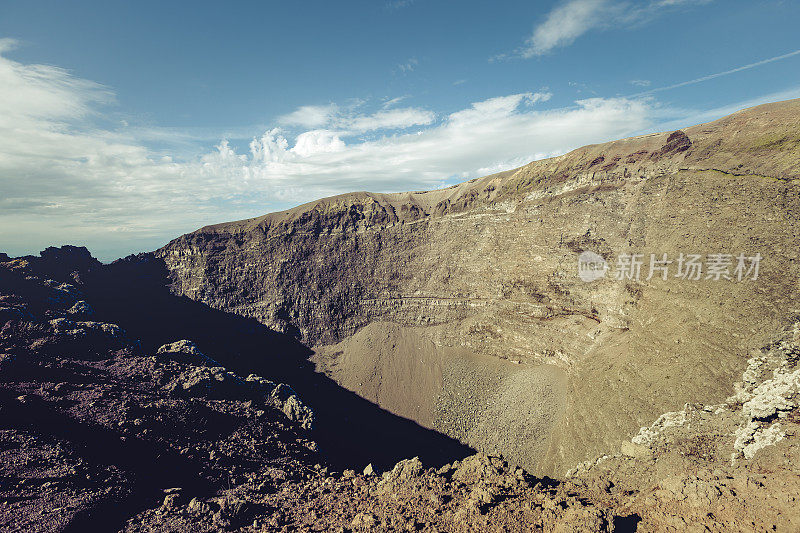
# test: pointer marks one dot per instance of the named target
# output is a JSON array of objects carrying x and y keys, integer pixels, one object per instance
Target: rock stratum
[{"x": 462, "y": 309}]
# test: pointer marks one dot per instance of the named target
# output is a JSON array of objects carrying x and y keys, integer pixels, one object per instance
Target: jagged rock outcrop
[
  {"x": 489, "y": 268},
  {"x": 214, "y": 381},
  {"x": 94, "y": 428}
]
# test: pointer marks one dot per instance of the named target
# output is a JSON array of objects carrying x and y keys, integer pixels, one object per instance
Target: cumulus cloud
[
  {"x": 490, "y": 133},
  {"x": 573, "y": 18},
  {"x": 318, "y": 142},
  {"x": 64, "y": 179}
]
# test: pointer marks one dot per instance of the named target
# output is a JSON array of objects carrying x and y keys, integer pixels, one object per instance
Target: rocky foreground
[{"x": 100, "y": 431}]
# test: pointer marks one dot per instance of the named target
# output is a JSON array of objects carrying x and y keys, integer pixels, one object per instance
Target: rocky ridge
[
  {"x": 488, "y": 268},
  {"x": 94, "y": 428}
]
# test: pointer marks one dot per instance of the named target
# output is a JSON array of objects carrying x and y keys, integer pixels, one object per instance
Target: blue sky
[{"x": 124, "y": 124}]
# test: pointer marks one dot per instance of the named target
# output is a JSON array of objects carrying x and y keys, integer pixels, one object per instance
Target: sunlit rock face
[{"x": 463, "y": 308}]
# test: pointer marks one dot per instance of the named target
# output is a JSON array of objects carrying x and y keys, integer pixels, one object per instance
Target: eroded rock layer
[{"x": 471, "y": 293}]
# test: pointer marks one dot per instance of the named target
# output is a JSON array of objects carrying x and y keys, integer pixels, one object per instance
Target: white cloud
[
  {"x": 391, "y": 102},
  {"x": 640, "y": 83},
  {"x": 564, "y": 24},
  {"x": 390, "y": 119},
  {"x": 318, "y": 142},
  {"x": 64, "y": 180},
  {"x": 309, "y": 116},
  {"x": 573, "y": 18},
  {"x": 270, "y": 148},
  {"x": 38, "y": 92},
  {"x": 497, "y": 107},
  {"x": 398, "y": 4},
  {"x": 409, "y": 65},
  {"x": 668, "y": 3},
  {"x": 346, "y": 119}
]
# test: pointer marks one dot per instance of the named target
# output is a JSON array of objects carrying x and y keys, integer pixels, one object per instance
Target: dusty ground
[{"x": 492, "y": 404}]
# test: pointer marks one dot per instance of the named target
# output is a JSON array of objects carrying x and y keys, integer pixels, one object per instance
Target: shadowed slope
[{"x": 350, "y": 430}]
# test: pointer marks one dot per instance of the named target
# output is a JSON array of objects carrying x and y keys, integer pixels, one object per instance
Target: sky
[{"x": 126, "y": 124}]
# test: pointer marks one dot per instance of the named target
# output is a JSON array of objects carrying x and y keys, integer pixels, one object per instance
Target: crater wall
[{"x": 485, "y": 274}]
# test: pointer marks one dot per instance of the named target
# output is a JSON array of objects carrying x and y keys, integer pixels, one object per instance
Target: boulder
[
  {"x": 92, "y": 339},
  {"x": 260, "y": 385},
  {"x": 207, "y": 382},
  {"x": 66, "y": 259},
  {"x": 284, "y": 398},
  {"x": 181, "y": 346},
  {"x": 479, "y": 467},
  {"x": 363, "y": 521},
  {"x": 402, "y": 472},
  {"x": 81, "y": 308},
  {"x": 198, "y": 507}
]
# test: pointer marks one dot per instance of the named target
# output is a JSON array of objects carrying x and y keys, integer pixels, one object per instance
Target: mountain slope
[{"x": 461, "y": 308}]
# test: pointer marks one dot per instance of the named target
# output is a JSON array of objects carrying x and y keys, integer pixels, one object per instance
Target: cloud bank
[{"x": 66, "y": 179}]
